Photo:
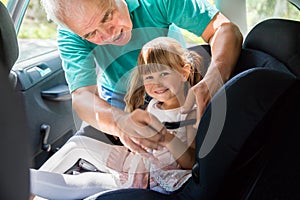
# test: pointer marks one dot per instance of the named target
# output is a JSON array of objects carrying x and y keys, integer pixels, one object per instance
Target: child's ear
[{"x": 187, "y": 70}]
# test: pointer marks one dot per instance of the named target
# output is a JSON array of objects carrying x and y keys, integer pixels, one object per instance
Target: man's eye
[
  {"x": 89, "y": 35},
  {"x": 107, "y": 16},
  {"x": 93, "y": 34}
]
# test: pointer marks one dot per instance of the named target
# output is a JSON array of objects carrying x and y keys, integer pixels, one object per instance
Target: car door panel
[{"x": 44, "y": 92}]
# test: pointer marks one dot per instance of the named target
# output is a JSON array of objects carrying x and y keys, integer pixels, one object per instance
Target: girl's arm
[{"x": 184, "y": 153}]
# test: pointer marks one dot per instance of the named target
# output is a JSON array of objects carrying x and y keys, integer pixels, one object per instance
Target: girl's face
[
  {"x": 108, "y": 24},
  {"x": 166, "y": 86}
]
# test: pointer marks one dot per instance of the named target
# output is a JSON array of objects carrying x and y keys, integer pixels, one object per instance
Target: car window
[
  {"x": 258, "y": 10},
  {"x": 37, "y": 35}
]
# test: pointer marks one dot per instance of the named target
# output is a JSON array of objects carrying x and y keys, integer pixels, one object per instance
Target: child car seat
[{"x": 273, "y": 172}]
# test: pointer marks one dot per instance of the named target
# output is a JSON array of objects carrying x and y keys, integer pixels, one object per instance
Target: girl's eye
[
  {"x": 164, "y": 74},
  {"x": 148, "y": 77}
]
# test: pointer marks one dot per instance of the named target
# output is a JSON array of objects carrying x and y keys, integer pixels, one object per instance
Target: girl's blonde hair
[{"x": 157, "y": 55}]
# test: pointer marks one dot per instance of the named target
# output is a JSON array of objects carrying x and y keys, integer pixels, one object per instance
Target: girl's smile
[
  {"x": 166, "y": 86},
  {"x": 161, "y": 91}
]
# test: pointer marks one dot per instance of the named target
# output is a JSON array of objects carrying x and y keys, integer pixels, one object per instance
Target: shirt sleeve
[
  {"x": 77, "y": 60},
  {"x": 192, "y": 15}
]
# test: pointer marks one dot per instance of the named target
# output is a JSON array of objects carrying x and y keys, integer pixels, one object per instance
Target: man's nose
[{"x": 108, "y": 32}]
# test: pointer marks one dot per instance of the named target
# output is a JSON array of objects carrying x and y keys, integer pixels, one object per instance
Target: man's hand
[
  {"x": 225, "y": 40},
  {"x": 139, "y": 130},
  {"x": 200, "y": 95}
]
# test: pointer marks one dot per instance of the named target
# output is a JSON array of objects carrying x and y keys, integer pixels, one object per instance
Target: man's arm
[
  {"x": 129, "y": 127},
  {"x": 86, "y": 103},
  {"x": 225, "y": 40}
]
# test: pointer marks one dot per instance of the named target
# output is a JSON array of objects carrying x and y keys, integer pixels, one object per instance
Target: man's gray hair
[
  {"x": 59, "y": 10},
  {"x": 56, "y": 10}
]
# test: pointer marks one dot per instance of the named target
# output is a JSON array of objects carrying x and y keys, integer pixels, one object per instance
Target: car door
[{"x": 39, "y": 81}]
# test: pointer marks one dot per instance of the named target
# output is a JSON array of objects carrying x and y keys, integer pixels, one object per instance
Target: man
[{"x": 108, "y": 35}]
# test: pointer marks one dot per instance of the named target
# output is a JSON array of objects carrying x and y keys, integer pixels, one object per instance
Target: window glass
[
  {"x": 258, "y": 10},
  {"x": 37, "y": 34}
]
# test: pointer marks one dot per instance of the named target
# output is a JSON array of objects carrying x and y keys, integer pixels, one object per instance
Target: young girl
[{"x": 165, "y": 72}]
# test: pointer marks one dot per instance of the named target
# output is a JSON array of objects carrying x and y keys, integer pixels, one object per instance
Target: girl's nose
[{"x": 158, "y": 82}]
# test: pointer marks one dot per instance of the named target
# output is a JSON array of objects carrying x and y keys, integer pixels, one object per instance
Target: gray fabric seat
[
  {"x": 14, "y": 144},
  {"x": 8, "y": 41}
]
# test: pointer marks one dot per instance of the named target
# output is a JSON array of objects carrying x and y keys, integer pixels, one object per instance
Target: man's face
[{"x": 108, "y": 23}]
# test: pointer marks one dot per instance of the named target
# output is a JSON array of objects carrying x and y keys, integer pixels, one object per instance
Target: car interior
[
  {"x": 40, "y": 84},
  {"x": 246, "y": 144}
]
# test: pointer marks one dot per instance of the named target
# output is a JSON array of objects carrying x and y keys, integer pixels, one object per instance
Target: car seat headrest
[
  {"x": 8, "y": 40},
  {"x": 279, "y": 38}
]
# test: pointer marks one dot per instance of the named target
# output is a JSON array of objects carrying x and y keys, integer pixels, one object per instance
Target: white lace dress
[{"x": 165, "y": 173}]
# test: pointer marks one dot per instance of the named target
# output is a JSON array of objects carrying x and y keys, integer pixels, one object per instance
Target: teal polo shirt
[{"x": 86, "y": 63}]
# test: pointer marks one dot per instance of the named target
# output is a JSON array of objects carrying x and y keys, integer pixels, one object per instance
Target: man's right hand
[{"x": 139, "y": 130}]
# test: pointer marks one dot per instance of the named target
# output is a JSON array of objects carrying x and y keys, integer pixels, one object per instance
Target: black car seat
[
  {"x": 274, "y": 172},
  {"x": 14, "y": 148},
  {"x": 279, "y": 38},
  {"x": 233, "y": 138}
]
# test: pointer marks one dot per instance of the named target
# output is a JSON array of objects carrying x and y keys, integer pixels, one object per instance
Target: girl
[{"x": 165, "y": 72}]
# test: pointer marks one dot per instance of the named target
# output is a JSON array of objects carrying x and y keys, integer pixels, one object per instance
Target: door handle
[{"x": 57, "y": 93}]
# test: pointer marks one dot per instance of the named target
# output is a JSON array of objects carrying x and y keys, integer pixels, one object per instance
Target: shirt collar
[{"x": 132, "y": 5}]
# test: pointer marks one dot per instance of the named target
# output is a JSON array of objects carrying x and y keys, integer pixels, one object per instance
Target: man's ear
[{"x": 187, "y": 70}]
